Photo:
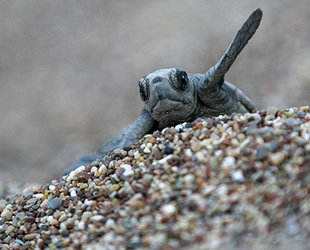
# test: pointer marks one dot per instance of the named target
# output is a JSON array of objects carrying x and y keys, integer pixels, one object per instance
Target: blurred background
[{"x": 69, "y": 69}]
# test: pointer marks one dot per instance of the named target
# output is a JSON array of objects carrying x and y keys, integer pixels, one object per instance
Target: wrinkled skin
[{"x": 172, "y": 96}]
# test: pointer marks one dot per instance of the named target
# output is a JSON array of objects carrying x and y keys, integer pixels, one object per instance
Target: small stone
[
  {"x": 274, "y": 146},
  {"x": 54, "y": 203},
  {"x": 128, "y": 171},
  {"x": 226, "y": 142},
  {"x": 184, "y": 135},
  {"x": 179, "y": 127},
  {"x": 54, "y": 222},
  {"x": 237, "y": 176},
  {"x": 117, "y": 151},
  {"x": 79, "y": 170},
  {"x": 86, "y": 215},
  {"x": 292, "y": 226},
  {"x": 173, "y": 131},
  {"x": 30, "y": 236},
  {"x": 301, "y": 141},
  {"x": 43, "y": 204},
  {"x": 290, "y": 112},
  {"x": 272, "y": 111},
  {"x": 147, "y": 150},
  {"x": 188, "y": 152},
  {"x": 110, "y": 223},
  {"x": 210, "y": 123},
  {"x": 103, "y": 169},
  {"x": 262, "y": 153},
  {"x": 168, "y": 150},
  {"x": 64, "y": 232},
  {"x": 83, "y": 186},
  {"x": 165, "y": 159},
  {"x": 304, "y": 108},
  {"x": 137, "y": 155},
  {"x": 147, "y": 178},
  {"x": 196, "y": 146},
  {"x": 209, "y": 190},
  {"x": 27, "y": 195},
  {"x": 29, "y": 219},
  {"x": 9, "y": 230},
  {"x": 19, "y": 242},
  {"x": 62, "y": 218},
  {"x": 81, "y": 225},
  {"x": 228, "y": 162},
  {"x": 7, "y": 214},
  {"x": 200, "y": 156},
  {"x": 189, "y": 179},
  {"x": 31, "y": 201},
  {"x": 277, "y": 158},
  {"x": 94, "y": 170},
  {"x": 136, "y": 201},
  {"x": 73, "y": 193},
  {"x": 83, "y": 177},
  {"x": 291, "y": 122},
  {"x": 168, "y": 209},
  {"x": 38, "y": 196},
  {"x": 7, "y": 240},
  {"x": 188, "y": 125},
  {"x": 114, "y": 187},
  {"x": 88, "y": 202},
  {"x": 97, "y": 217}
]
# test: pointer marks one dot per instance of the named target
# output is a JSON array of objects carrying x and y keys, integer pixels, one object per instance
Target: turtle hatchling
[{"x": 172, "y": 96}]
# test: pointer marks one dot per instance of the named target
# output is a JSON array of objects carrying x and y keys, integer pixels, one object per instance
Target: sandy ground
[{"x": 69, "y": 70}]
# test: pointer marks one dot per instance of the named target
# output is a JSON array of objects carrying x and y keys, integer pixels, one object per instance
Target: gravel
[{"x": 218, "y": 183}]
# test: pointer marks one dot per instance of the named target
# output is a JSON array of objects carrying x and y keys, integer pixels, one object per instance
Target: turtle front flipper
[
  {"x": 213, "y": 81},
  {"x": 130, "y": 135}
]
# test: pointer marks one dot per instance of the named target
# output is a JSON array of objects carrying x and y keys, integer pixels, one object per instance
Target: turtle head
[{"x": 169, "y": 95}]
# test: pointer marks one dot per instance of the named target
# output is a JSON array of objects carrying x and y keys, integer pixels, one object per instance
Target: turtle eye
[
  {"x": 178, "y": 80},
  {"x": 183, "y": 80},
  {"x": 144, "y": 87}
]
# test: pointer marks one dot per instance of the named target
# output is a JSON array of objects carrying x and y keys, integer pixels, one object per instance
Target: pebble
[
  {"x": 147, "y": 150},
  {"x": 272, "y": 111},
  {"x": 274, "y": 146},
  {"x": 237, "y": 176},
  {"x": 277, "y": 158},
  {"x": 103, "y": 169},
  {"x": 54, "y": 203},
  {"x": 31, "y": 201},
  {"x": 168, "y": 150},
  {"x": 97, "y": 218},
  {"x": 291, "y": 122},
  {"x": 128, "y": 171},
  {"x": 73, "y": 193},
  {"x": 114, "y": 187},
  {"x": 30, "y": 236},
  {"x": 7, "y": 214},
  {"x": 304, "y": 109},
  {"x": 168, "y": 209},
  {"x": 228, "y": 162},
  {"x": 110, "y": 224},
  {"x": 262, "y": 153}
]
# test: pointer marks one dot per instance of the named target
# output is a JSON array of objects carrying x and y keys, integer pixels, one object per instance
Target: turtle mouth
[{"x": 166, "y": 106}]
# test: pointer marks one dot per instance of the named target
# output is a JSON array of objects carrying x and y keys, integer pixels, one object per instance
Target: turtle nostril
[{"x": 157, "y": 79}]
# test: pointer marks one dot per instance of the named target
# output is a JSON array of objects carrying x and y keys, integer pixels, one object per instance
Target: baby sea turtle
[{"x": 172, "y": 96}]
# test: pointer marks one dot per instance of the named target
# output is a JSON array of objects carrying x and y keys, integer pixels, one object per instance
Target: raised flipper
[
  {"x": 130, "y": 135},
  {"x": 210, "y": 88}
]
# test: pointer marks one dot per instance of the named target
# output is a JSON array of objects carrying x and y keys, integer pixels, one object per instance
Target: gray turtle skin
[{"x": 172, "y": 96}]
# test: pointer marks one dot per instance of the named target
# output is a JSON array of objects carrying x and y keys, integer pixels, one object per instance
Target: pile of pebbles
[{"x": 214, "y": 183}]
